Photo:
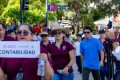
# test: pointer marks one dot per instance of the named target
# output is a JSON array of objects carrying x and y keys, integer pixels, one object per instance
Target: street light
[{"x": 23, "y": 7}]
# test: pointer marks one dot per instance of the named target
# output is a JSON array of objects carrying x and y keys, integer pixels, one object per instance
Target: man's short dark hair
[
  {"x": 88, "y": 27},
  {"x": 3, "y": 25}
]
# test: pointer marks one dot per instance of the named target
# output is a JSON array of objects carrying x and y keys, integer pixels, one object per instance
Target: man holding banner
[{"x": 24, "y": 64}]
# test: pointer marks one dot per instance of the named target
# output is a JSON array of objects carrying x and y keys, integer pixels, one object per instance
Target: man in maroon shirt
[
  {"x": 4, "y": 37},
  {"x": 103, "y": 69}
]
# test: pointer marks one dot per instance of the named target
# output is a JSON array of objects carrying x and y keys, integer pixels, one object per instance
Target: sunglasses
[
  {"x": 23, "y": 32},
  {"x": 59, "y": 33},
  {"x": 44, "y": 35},
  {"x": 86, "y": 32}
]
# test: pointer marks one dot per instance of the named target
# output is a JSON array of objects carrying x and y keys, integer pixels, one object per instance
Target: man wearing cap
[
  {"x": 4, "y": 37},
  {"x": 61, "y": 54},
  {"x": 104, "y": 68},
  {"x": 77, "y": 51}
]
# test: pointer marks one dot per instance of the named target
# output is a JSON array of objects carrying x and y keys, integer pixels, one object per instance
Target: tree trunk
[{"x": 76, "y": 19}]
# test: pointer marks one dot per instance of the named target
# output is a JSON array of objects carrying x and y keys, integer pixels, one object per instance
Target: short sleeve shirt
[
  {"x": 90, "y": 50},
  {"x": 11, "y": 67},
  {"x": 60, "y": 57},
  {"x": 77, "y": 47}
]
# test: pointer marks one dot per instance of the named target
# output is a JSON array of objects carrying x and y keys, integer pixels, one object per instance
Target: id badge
[{"x": 19, "y": 76}]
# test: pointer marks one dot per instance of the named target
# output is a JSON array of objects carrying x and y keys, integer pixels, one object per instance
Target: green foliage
[
  {"x": 36, "y": 12},
  {"x": 89, "y": 14},
  {"x": 81, "y": 12},
  {"x": 98, "y": 14},
  {"x": 3, "y": 4}
]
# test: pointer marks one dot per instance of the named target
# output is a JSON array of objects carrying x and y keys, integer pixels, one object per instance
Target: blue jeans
[
  {"x": 70, "y": 76},
  {"x": 103, "y": 71}
]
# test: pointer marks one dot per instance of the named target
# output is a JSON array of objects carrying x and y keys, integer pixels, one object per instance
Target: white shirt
[
  {"x": 77, "y": 47},
  {"x": 36, "y": 38},
  {"x": 69, "y": 39},
  {"x": 96, "y": 36},
  {"x": 116, "y": 53}
]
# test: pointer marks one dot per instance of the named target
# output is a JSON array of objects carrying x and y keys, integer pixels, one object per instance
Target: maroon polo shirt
[
  {"x": 44, "y": 46},
  {"x": 11, "y": 67},
  {"x": 7, "y": 38},
  {"x": 60, "y": 57}
]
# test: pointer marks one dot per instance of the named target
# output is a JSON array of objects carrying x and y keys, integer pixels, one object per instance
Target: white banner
[{"x": 19, "y": 49}]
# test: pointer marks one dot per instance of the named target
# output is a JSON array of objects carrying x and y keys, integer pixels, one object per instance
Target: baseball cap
[
  {"x": 101, "y": 31},
  {"x": 79, "y": 35}
]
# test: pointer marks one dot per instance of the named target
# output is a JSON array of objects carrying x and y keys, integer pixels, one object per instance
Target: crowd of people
[{"x": 90, "y": 53}]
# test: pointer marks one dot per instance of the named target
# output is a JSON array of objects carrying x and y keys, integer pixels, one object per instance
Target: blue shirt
[{"x": 90, "y": 51}]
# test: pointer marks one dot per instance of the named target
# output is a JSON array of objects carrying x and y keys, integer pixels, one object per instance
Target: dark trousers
[
  {"x": 79, "y": 64},
  {"x": 86, "y": 72},
  {"x": 117, "y": 72}
]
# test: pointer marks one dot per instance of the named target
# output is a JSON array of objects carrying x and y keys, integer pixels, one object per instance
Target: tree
[
  {"x": 35, "y": 13},
  {"x": 3, "y": 3},
  {"x": 86, "y": 15},
  {"x": 81, "y": 9}
]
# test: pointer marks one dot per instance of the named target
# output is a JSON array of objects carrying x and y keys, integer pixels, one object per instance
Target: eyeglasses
[
  {"x": 23, "y": 32},
  {"x": 59, "y": 33},
  {"x": 86, "y": 32},
  {"x": 44, "y": 35}
]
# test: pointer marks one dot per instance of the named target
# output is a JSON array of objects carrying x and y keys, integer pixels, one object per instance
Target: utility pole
[
  {"x": 21, "y": 15},
  {"x": 47, "y": 12}
]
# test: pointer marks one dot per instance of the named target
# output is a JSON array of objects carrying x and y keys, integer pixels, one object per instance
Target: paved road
[{"x": 77, "y": 75}]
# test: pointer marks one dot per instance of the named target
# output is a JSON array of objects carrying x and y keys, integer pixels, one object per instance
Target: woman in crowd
[
  {"x": 28, "y": 66},
  {"x": 62, "y": 55},
  {"x": 12, "y": 33}
]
